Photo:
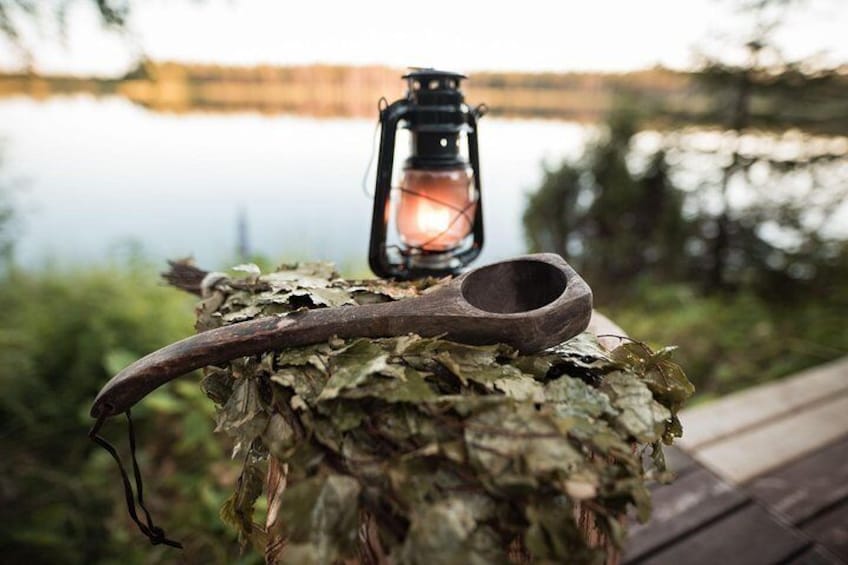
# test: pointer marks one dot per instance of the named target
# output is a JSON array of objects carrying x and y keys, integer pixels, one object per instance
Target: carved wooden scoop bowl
[{"x": 531, "y": 302}]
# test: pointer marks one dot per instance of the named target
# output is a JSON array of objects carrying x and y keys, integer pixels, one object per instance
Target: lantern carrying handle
[
  {"x": 382, "y": 104},
  {"x": 390, "y": 117}
]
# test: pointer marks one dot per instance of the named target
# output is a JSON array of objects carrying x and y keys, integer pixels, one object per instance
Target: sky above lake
[{"x": 531, "y": 35}]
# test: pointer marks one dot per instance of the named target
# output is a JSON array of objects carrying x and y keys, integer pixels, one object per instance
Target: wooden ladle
[{"x": 531, "y": 302}]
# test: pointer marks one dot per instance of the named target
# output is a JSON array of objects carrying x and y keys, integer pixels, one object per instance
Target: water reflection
[{"x": 104, "y": 170}]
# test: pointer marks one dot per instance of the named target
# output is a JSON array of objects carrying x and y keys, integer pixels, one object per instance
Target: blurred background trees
[
  {"x": 746, "y": 200},
  {"x": 15, "y": 13},
  {"x": 63, "y": 333},
  {"x": 720, "y": 231},
  {"x": 776, "y": 175}
]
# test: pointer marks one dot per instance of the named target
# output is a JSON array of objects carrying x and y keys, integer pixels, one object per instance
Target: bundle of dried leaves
[{"x": 415, "y": 450}]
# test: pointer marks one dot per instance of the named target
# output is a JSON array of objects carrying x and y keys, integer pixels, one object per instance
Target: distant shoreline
[{"x": 347, "y": 91}]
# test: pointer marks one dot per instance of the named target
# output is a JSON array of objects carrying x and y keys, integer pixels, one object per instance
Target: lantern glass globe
[{"x": 435, "y": 208}]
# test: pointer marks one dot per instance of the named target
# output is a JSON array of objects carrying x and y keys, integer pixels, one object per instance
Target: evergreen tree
[
  {"x": 612, "y": 219},
  {"x": 751, "y": 198},
  {"x": 771, "y": 183}
]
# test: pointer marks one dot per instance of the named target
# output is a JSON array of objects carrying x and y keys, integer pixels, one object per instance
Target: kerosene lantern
[{"x": 436, "y": 209}]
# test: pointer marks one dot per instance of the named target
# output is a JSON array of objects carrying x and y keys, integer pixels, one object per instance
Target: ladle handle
[{"x": 217, "y": 346}]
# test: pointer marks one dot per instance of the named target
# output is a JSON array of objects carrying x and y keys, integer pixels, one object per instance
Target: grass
[{"x": 734, "y": 341}]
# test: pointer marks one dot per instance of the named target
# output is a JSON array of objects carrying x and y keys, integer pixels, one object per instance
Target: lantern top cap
[
  {"x": 424, "y": 73},
  {"x": 427, "y": 74}
]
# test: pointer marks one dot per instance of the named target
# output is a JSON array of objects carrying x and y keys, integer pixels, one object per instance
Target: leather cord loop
[{"x": 154, "y": 533}]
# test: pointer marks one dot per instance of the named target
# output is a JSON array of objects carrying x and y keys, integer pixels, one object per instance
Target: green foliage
[
  {"x": 62, "y": 335},
  {"x": 728, "y": 343},
  {"x": 450, "y": 452}
]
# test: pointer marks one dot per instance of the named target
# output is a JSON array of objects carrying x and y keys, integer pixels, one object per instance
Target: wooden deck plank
[
  {"x": 749, "y": 536},
  {"x": 678, "y": 461},
  {"x": 756, "y": 451},
  {"x": 816, "y": 555},
  {"x": 743, "y": 410},
  {"x": 803, "y": 488},
  {"x": 681, "y": 507},
  {"x": 831, "y": 530}
]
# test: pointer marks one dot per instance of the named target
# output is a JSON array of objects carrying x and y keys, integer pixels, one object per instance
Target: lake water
[{"x": 96, "y": 173}]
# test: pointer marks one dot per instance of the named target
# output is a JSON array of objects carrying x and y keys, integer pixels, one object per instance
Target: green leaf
[
  {"x": 411, "y": 388},
  {"x": 446, "y": 532},
  {"x": 664, "y": 377},
  {"x": 517, "y": 446},
  {"x": 583, "y": 350},
  {"x": 279, "y": 437},
  {"x": 519, "y": 386},
  {"x": 332, "y": 297},
  {"x": 237, "y": 510},
  {"x": 553, "y": 535},
  {"x": 243, "y": 417},
  {"x": 322, "y": 514},
  {"x": 355, "y": 365},
  {"x": 639, "y": 415},
  {"x": 217, "y": 384},
  {"x": 573, "y": 397}
]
